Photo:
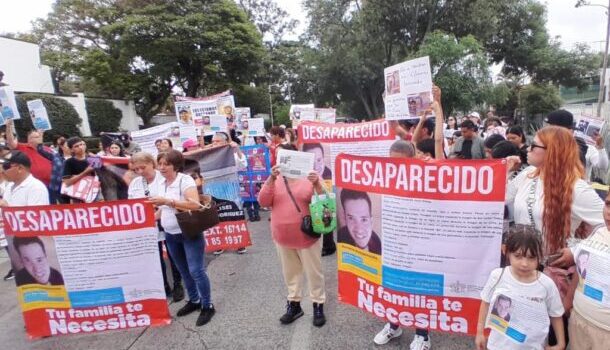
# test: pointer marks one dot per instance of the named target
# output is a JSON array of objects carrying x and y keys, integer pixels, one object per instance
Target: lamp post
[
  {"x": 270, "y": 104},
  {"x": 602, "y": 80}
]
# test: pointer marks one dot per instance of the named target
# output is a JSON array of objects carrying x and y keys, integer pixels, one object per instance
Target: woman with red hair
[{"x": 553, "y": 197}]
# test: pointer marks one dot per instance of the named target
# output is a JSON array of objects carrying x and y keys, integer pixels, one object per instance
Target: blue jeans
[{"x": 188, "y": 257}]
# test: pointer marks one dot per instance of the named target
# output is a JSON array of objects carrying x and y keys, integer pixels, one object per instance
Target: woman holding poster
[
  {"x": 178, "y": 191},
  {"x": 553, "y": 197},
  {"x": 299, "y": 253}
]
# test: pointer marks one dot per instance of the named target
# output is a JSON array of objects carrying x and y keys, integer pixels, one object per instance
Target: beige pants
[
  {"x": 294, "y": 263},
  {"x": 584, "y": 335}
]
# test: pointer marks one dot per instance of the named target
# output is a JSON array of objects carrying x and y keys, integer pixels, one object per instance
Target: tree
[
  {"x": 355, "y": 40},
  {"x": 460, "y": 68},
  {"x": 143, "y": 49}
]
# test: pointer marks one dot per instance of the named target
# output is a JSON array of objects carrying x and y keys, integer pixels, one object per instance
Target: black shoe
[
  {"x": 168, "y": 290},
  {"x": 330, "y": 251},
  {"x": 257, "y": 218},
  {"x": 188, "y": 308},
  {"x": 178, "y": 293},
  {"x": 241, "y": 250},
  {"x": 10, "y": 275},
  {"x": 205, "y": 315},
  {"x": 293, "y": 311},
  {"x": 318, "y": 315}
]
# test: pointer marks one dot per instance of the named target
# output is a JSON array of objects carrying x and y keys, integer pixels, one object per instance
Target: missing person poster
[
  {"x": 588, "y": 128},
  {"x": 326, "y": 141},
  {"x": 417, "y": 240},
  {"x": 295, "y": 164},
  {"x": 146, "y": 138},
  {"x": 408, "y": 89},
  {"x": 38, "y": 113},
  {"x": 219, "y": 172},
  {"x": 258, "y": 170},
  {"x": 197, "y": 111},
  {"x": 8, "y": 104},
  {"x": 241, "y": 114},
  {"x": 253, "y": 127},
  {"x": 86, "y": 268}
]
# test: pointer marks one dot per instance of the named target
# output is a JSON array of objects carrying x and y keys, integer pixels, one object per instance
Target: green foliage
[
  {"x": 280, "y": 115},
  {"x": 540, "y": 99},
  {"x": 459, "y": 68},
  {"x": 64, "y": 118},
  {"x": 103, "y": 116},
  {"x": 257, "y": 98}
]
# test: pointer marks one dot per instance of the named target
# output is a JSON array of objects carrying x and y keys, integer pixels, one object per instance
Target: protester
[
  {"x": 291, "y": 136},
  {"x": 179, "y": 192},
  {"x": 148, "y": 184},
  {"x": 591, "y": 157},
  {"x": 552, "y": 196},
  {"x": 490, "y": 142},
  {"x": 77, "y": 166},
  {"x": 521, "y": 280},
  {"x": 516, "y": 135},
  {"x": 58, "y": 159},
  {"x": 452, "y": 123},
  {"x": 131, "y": 147},
  {"x": 164, "y": 145},
  {"x": 190, "y": 145},
  {"x": 278, "y": 135},
  {"x": 589, "y": 325},
  {"x": 23, "y": 188},
  {"x": 116, "y": 150},
  {"x": 298, "y": 252},
  {"x": 469, "y": 145},
  {"x": 41, "y": 167}
]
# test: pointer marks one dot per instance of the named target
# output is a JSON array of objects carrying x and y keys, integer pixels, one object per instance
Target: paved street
[{"x": 248, "y": 293}]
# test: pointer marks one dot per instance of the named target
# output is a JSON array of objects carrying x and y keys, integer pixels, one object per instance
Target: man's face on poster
[
  {"x": 35, "y": 262},
  {"x": 185, "y": 116},
  {"x": 228, "y": 110},
  {"x": 318, "y": 163},
  {"x": 359, "y": 221},
  {"x": 583, "y": 259},
  {"x": 503, "y": 307}
]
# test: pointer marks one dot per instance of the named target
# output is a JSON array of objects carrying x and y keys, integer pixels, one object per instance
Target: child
[
  {"x": 589, "y": 325},
  {"x": 523, "y": 299}
]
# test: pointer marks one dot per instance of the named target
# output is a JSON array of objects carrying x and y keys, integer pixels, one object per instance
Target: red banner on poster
[{"x": 316, "y": 132}]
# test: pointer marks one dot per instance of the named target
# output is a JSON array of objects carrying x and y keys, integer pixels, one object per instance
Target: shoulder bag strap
[
  {"x": 531, "y": 199},
  {"x": 291, "y": 196}
]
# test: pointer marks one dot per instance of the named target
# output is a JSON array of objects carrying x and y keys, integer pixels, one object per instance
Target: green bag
[{"x": 323, "y": 210}]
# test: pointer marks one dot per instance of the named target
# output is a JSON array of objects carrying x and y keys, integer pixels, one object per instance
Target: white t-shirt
[
  {"x": 29, "y": 192},
  {"x": 527, "y": 298},
  {"x": 587, "y": 206},
  {"x": 138, "y": 188},
  {"x": 592, "y": 297},
  {"x": 174, "y": 191}
]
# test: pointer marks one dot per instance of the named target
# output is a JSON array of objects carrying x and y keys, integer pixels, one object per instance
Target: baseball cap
[
  {"x": 560, "y": 117},
  {"x": 190, "y": 143},
  {"x": 17, "y": 157},
  {"x": 475, "y": 114}
]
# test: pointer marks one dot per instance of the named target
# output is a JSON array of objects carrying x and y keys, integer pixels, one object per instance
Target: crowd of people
[{"x": 552, "y": 211}]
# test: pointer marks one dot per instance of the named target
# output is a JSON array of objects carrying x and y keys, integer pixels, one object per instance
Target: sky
[{"x": 573, "y": 25}]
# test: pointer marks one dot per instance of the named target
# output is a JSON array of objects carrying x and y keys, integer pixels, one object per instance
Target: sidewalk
[{"x": 249, "y": 296}]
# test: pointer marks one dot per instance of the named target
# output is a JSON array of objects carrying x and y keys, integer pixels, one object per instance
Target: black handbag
[
  {"x": 306, "y": 223},
  {"x": 193, "y": 222}
]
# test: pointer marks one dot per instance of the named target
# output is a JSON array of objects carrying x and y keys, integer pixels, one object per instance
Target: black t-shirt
[
  {"x": 467, "y": 149},
  {"x": 74, "y": 166}
]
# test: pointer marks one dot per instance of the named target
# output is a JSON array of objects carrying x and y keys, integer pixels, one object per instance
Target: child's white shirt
[{"x": 531, "y": 306}]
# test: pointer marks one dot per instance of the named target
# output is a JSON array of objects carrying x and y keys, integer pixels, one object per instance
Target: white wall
[
  {"x": 20, "y": 62},
  {"x": 131, "y": 121},
  {"x": 78, "y": 101}
]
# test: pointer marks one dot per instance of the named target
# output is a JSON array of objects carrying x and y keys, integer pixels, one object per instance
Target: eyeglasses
[
  {"x": 6, "y": 165},
  {"x": 534, "y": 145}
]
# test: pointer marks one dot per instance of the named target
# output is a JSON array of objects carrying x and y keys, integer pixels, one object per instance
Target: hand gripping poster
[
  {"x": 86, "y": 268},
  {"x": 417, "y": 240}
]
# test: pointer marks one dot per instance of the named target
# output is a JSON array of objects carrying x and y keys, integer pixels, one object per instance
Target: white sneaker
[
  {"x": 219, "y": 251},
  {"x": 387, "y": 334},
  {"x": 419, "y": 343}
]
